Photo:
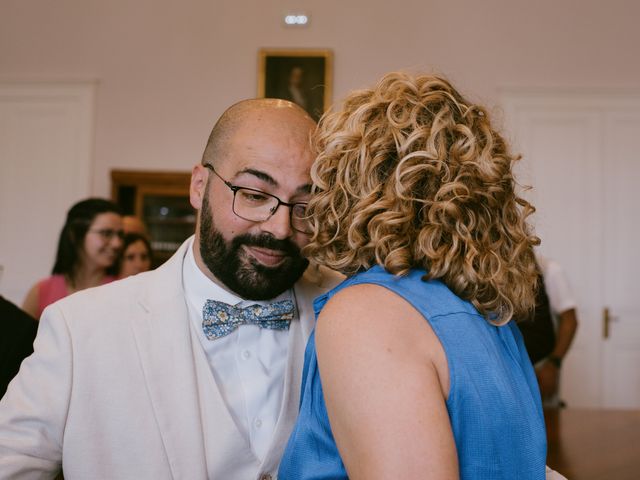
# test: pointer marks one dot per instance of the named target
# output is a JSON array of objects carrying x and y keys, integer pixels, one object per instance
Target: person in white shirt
[
  {"x": 192, "y": 370},
  {"x": 563, "y": 310}
]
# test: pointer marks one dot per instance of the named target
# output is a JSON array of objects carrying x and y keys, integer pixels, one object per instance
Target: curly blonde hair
[{"x": 410, "y": 174}]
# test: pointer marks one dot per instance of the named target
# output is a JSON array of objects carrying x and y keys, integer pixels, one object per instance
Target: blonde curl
[{"x": 410, "y": 174}]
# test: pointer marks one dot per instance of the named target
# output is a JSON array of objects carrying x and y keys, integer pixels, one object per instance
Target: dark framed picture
[{"x": 301, "y": 76}]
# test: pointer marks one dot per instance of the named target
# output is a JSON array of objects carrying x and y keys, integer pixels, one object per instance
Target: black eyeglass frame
[
  {"x": 107, "y": 234},
  {"x": 236, "y": 188}
]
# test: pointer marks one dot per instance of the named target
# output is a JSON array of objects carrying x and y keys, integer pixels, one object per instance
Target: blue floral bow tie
[{"x": 220, "y": 319}]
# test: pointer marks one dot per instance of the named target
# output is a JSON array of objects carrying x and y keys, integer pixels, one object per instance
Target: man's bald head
[
  {"x": 258, "y": 152},
  {"x": 257, "y": 113}
]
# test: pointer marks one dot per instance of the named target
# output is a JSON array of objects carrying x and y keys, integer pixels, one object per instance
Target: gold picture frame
[{"x": 303, "y": 76}]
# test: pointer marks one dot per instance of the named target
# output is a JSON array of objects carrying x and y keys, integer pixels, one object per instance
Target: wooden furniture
[
  {"x": 594, "y": 444},
  {"x": 161, "y": 200}
]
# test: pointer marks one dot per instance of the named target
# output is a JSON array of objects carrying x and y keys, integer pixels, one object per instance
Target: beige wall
[{"x": 166, "y": 69}]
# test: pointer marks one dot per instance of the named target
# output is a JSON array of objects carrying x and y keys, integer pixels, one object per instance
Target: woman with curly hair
[{"x": 415, "y": 369}]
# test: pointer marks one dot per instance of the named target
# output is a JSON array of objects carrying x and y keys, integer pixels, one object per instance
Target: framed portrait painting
[{"x": 301, "y": 76}]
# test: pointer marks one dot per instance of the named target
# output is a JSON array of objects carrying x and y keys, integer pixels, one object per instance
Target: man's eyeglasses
[
  {"x": 258, "y": 206},
  {"x": 107, "y": 233}
]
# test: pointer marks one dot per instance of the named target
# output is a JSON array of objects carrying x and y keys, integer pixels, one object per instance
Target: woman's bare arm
[
  {"x": 385, "y": 382},
  {"x": 31, "y": 302}
]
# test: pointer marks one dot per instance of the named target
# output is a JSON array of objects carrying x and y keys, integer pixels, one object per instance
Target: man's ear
[{"x": 199, "y": 176}]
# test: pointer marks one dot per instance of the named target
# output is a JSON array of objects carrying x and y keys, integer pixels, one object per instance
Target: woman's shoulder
[
  {"x": 376, "y": 275},
  {"x": 369, "y": 313},
  {"x": 51, "y": 289},
  {"x": 43, "y": 292},
  {"x": 432, "y": 297},
  {"x": 353, "y": 298},
  {"x": 367, "y": 325},
  {"x": 109, "y": 279},
  {"x": 366, "y": 296},
  {"x": 53, "y": 281}
]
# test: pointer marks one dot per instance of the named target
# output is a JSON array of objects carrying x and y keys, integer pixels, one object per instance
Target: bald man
[{"x": 193, "y": 370}]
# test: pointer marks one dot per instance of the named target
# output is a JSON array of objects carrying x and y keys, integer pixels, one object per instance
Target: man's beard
[{"x": 238, "y": 271}]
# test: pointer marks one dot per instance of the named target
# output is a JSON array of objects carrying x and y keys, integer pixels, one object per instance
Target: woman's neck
[{"x": 85, "y": 277}]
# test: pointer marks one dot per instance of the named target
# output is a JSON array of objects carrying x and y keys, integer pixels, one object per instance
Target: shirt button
[
  {"x": 246, "y": 354},
  {"x": 257, "y": 423}
]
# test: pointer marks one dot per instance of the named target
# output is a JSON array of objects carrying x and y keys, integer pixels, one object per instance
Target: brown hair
[{"x": 410, "y": 174}]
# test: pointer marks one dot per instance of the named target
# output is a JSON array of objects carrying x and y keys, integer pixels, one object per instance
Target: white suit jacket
[{"x": 119, "y": 388}]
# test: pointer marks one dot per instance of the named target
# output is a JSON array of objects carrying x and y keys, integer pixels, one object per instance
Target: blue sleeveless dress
[{"x": 494, "y": 401}]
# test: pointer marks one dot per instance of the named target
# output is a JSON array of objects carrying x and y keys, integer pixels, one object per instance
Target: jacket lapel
[
  {"x": 166, "y": 354},
  {"x": 166, "y": 350}
]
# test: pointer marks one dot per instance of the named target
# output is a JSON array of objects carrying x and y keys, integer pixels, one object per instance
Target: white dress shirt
[{"x": 248, "y": 365}]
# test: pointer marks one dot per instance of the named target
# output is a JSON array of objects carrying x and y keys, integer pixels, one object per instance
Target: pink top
[{"x": 54, "y": 288}]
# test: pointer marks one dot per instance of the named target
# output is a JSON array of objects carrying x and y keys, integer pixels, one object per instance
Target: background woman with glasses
[{"x": 88, "y": 250}]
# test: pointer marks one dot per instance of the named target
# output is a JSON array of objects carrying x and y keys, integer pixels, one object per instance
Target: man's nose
[{"x": 279, "y": 224}]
